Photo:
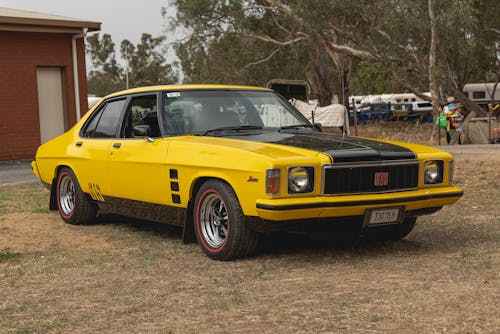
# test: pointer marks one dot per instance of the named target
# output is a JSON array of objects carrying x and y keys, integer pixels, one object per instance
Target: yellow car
[{"x": 228, "y": 162}]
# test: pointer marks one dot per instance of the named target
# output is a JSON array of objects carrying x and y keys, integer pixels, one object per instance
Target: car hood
[{"x": 339, "y": 148}]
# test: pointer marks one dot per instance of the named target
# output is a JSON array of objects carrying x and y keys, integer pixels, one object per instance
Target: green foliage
[
  {"x": 145, "y": 64},
  {"x": 6, "y": 255},
  {"x": 228, "y": 60},
  {"x": 217, "y": 51},
  {"x": 222, "y": 47},
  {"x": 391, "y": 37},
  {"x": 105, "y": 74},
  {"x": 371, "y": 79}
]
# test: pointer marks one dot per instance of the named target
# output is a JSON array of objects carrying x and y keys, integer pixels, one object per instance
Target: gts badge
[
  {"x": 95, "y": 192},
  {"x": 252, "y": 179}
]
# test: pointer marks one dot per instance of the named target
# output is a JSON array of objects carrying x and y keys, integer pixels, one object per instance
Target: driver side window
[{"x": 141, "y": 115}]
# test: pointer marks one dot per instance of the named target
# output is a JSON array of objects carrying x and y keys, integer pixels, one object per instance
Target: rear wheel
[
  {"x": 220, "y": 226},
  {"x": 74, "y": 206}
]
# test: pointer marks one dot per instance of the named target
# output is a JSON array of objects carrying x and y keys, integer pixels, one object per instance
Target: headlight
[
  {"x": 433, "y": 171},
  {"x": 300, "y": 180}
]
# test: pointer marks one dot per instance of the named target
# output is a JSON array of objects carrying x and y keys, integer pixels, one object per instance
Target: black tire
[
  {"x": 392, "y": 232},
  {"x": 400, "y": 231},
  {"x": 74, "y": 206},
  {"x": 219, "y": 223}
]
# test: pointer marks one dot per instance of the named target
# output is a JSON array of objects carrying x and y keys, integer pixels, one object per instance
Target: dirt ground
[
  {"x": 120, "y": 275},
  {"x": 36, "y": 232}
]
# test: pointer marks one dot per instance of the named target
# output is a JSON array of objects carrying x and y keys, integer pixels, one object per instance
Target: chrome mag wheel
[
  {"x": 219, "y": 224},
  {"x": 66, "y": 194},
  {"x": 213, "y": 220}
]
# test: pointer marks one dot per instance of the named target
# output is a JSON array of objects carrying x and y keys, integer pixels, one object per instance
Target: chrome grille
[{"x": 355, "y": 178}]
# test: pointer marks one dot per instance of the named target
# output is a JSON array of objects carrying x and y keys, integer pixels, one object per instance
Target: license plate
[{"x": 384, "y": 216}]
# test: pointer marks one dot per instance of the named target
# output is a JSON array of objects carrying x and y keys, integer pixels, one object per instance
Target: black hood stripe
[{"x": 340, "y": 148}]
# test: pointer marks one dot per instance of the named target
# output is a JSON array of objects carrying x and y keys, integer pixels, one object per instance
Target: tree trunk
[
  {"x": 432, "y": 68},
  {"x": 319, "y": 77},
  {"x": 432, "y": 60}
]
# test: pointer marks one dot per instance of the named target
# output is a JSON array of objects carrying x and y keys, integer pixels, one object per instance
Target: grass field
[{"x": 121, "y": 276}]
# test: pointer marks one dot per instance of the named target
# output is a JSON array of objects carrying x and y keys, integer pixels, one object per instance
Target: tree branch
[
  {"x": 497, "y": 31},
  {"x": 269, "y": 39},
  {"x": 361, "y": 54},
  {"x": 262, "y": 60}
]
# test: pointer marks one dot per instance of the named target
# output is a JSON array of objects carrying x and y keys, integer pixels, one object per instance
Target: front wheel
[
  {"x": 392, "y": 232},
  {"x": 220, "y": 226},
  {"x": 74, "y": 206},
  {"x": 400, "y": 231}
]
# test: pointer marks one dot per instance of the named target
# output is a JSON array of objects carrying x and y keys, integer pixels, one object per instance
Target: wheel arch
[{"x": 188, "y": 234}]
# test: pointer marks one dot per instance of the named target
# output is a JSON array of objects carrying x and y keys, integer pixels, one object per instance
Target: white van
[{"x": 424, "y": 109}]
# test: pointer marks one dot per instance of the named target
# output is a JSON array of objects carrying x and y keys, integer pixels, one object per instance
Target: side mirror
[
  {"x": 317, "y": 127},
  {"x": 142, "y": 130}
]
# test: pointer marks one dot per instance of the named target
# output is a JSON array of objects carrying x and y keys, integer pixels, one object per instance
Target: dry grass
[
  {"x": 24, "y": 199},
  {"x": 126, "y": 276},
  {"x": 400, "y": 131}
]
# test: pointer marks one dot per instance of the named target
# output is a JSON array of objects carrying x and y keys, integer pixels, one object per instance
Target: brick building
[{"x": 43, "y": 84}]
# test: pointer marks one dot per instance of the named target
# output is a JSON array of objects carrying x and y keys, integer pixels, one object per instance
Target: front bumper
[{"x": 354, "y": 205}]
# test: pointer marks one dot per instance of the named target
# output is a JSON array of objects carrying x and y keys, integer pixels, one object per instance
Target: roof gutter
[{"x": 76, "y": 82}]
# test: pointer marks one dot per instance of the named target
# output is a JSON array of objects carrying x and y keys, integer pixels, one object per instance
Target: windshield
[{"x": 203, "y": 111}]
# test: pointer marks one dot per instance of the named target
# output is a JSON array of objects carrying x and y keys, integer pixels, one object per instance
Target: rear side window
[
  {"x": 105, "y": 123},
  {"x": 89, "y": 128}
]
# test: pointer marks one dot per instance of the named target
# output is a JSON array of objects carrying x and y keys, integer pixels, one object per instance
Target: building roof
[{"x": 21, "y": 20}]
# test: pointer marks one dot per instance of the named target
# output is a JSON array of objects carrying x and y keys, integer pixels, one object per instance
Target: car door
[
  {"x": 92, "y": 149},
  {"x": 137, "y": 163}
]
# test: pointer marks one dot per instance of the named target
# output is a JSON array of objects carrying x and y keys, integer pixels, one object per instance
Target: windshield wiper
[
  {"x": 233, "y": 128},
  {"x": 296, "y": 126}
]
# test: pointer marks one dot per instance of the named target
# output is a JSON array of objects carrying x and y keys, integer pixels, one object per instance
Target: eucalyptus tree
[
  {"x": 105, "y": 72},
  {"x": 422, "y": 44},
  {"x": 143, "y": 64},
  {"x": 222, "y": 46}
]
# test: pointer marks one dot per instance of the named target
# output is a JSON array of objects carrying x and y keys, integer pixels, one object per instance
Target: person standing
[
  {"x": 455, "y": 120},
  {"x": 450, "y": 105},
  {"x": 459, "y": 120}
]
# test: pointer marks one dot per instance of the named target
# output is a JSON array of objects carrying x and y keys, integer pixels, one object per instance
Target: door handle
[
  {"x": 79, "y": 143},
  {"x": 117, "y": 145}
]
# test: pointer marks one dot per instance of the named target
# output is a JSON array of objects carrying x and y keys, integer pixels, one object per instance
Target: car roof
[{"x": 186, "y": 87}]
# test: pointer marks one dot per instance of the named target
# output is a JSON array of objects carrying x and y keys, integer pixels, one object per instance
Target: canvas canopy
[{"x": 333, "y": 115}]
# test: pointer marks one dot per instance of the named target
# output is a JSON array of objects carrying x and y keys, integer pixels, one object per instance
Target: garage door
[{"x": 51, "y": 104}]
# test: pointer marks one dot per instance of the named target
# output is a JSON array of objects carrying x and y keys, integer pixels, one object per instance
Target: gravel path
[{"x": 16, "y": 173}]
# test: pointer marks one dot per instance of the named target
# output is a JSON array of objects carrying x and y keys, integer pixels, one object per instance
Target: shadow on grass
[
  {"x": 307, "y": 244},
  {"x": 138, "y": 225},
  {"x": 422, "y": 240},
  {"x": 430, "y": 240}
]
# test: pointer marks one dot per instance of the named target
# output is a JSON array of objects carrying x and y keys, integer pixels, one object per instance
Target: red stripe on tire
[{"x": 197, "y": 223}]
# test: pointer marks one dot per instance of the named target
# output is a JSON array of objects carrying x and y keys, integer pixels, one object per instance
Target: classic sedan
[{"x": 229, "y": 162}]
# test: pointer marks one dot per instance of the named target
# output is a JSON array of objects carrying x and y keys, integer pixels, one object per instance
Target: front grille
[{"x": 360, "y": 178}]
